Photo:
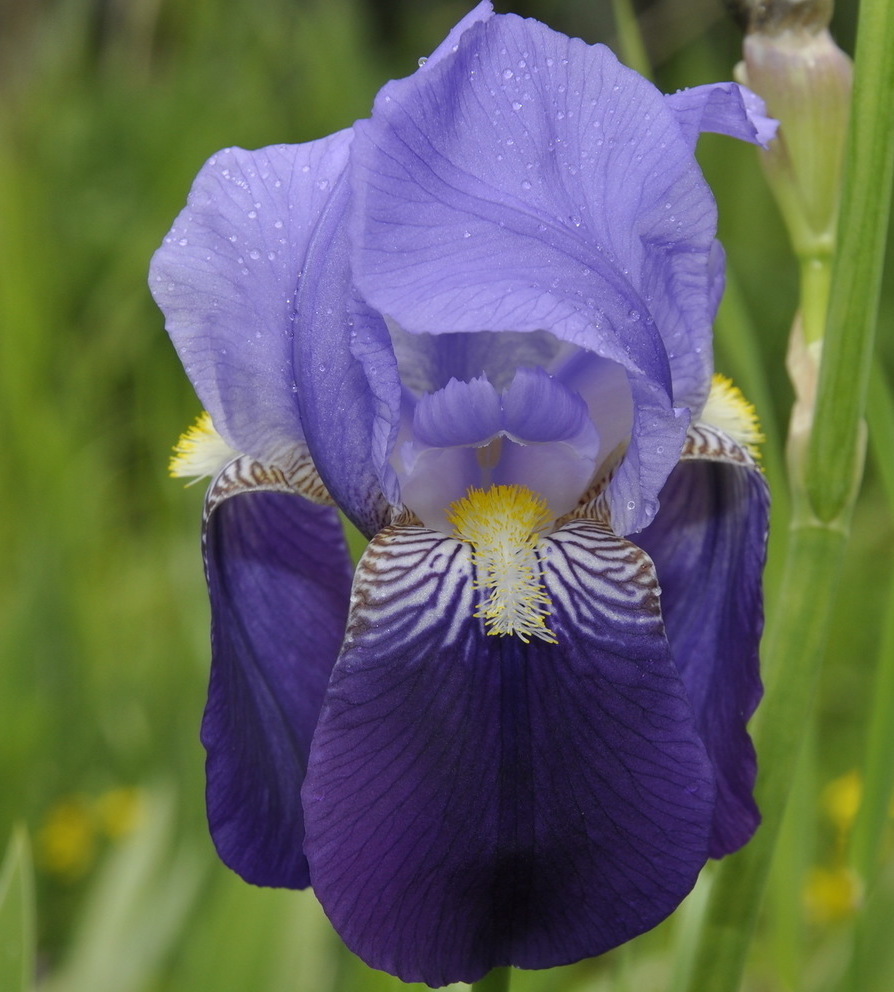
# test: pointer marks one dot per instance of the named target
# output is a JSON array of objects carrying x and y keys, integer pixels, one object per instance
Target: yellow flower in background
[
  {"x": 70, "y": 837},
  {"x": 832, "y": 894},
  {"x": 119, "y": 811},
  {"x": 66, "y": 843},
  {"x": 840, "y": 801}
]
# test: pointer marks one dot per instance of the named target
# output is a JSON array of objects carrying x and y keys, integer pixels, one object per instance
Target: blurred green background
[{"x": 107, "y": 111}]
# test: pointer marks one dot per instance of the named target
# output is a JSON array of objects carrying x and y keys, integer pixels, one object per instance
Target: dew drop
[
  {"x": 516, "y": 106},
  {"x": 525, "y": 184},
  {"x": 631, "y": 504},
  {"x": 634, "y": 315},
  {"x": 183, "y": 242},
  {"x": 277, "y": 224},
  {"x": 323, "y": 184},
  {"x": 254, "y": 255},
  {"x": 421, "y": 61},
  {"x": 252, "y": 214},
  {"x": 508, "y": 74}
]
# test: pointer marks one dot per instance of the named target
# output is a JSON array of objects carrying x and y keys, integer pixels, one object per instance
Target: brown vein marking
[
  {"x": 614, "y": 559},
  {"x": 706, "y": 442},
  {"x": 245, "y": 474}
]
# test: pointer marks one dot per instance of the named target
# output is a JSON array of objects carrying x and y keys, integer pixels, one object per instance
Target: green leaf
[
  {"x": 835, "y": 454},
  {"x": 134, "y": 911},
  {"x": 17, "y": 916}
]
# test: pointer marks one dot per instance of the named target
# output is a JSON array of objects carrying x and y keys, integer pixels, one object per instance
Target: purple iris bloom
[{"x": 478, "y": 324}]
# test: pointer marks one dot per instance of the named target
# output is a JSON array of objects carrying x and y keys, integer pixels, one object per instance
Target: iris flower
[{"x": 479, "y": 325}]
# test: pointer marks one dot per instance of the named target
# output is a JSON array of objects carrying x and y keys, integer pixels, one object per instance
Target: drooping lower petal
[
  {"x": 708, "y": 543},
  {"x": 279, "y": 579},
  {"x": 474, "y": 800}
]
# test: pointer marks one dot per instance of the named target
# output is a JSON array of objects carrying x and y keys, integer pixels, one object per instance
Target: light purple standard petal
[
  {"x": 564, "y": 197},
  {"x": 482, "y": 12},
  {"x": 725, "y": 108},
  {"x": 538, "y": 407},
  {"x": 473, "y": 801},
  {"x": 279, "y": 578},
  {"x": 709, "y": 545},
  {"x": 348, "y": 390},
  {"x": 460, "y": 413},
  {"x": 225, "y": 278}
]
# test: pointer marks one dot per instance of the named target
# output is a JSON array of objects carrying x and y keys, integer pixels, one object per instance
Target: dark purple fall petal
[
  {"x": 225, "y": 278},
  {"x": 472, "y": 801},
  {"x": 708, "y": 543},
  {"x": 279, "y": 578}
]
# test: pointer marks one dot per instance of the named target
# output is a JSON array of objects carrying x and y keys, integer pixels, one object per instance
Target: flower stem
[
  {"x": 795, "y": 647},
  {"x": 825, "y": 476},
  {"x": 878, "y": 771},
  {"x": 494, "y": 981},
  {"x": 857, "y": 269},
  {"x": 630, "y": 40}
]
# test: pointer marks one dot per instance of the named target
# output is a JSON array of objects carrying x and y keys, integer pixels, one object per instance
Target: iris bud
[{"x": 792, "y": 61}]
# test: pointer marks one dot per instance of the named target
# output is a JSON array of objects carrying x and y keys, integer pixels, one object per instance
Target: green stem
[
  {"x": 824, "y": 490},
  {"x": 834, "y": 453},
  {"x": 878, "y": 771},
  {"x": 494, "y": 981},
  {"x": 816, "y": 283},
  {"x": 630, "y": 40},
  {"x": 795, "y": 645}
]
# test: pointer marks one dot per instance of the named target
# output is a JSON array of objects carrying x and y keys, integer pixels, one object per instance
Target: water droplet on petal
[
  {"x": 508, "y": 74},
  {"x": 631, "y": 504},
  {"x": 421, "y": 61}
]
